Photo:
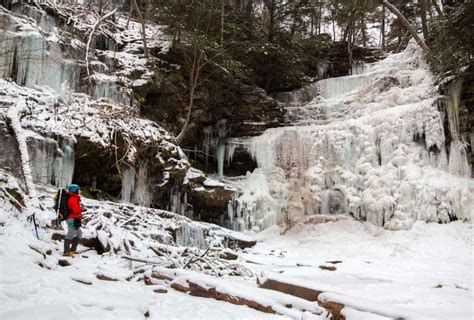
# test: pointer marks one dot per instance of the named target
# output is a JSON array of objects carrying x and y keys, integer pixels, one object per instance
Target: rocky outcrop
[
  {"x": 9, "y": 157},
  {"x": 457, "y": 106},
  {"x": 224, "y": 107}
]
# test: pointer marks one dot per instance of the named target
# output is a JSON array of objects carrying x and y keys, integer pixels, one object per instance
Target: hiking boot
[
  {"x": 68, "y": 254},
  {"x": 67, "y": 246},
  {"x": 74, "y": 244}
]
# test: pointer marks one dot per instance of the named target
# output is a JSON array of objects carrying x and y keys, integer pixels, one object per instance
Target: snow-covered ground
[
  {"x": 28, "y": 291},
  {"x": 424, "y": 273}
]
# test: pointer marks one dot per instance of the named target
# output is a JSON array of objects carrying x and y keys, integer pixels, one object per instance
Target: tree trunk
[
  {"x": 349, "y": 44},
  {"x": 249, "y": 9},
  {"x": 193, "y": 80},
  {"x": 412, "y": 31},
  {"x": 142, "y": 21},
  {"x": 334, "y": 30},
  {"x": 271, "y": 10},
  {"x": 437, "y": 8},
  {"x": 424, "y": 24},
  {"x": 222, "y": 22},
  {"x": 364, "y": 34},
  {"x": 382, "y": 29},
  {"x": 320, "y": 17}
]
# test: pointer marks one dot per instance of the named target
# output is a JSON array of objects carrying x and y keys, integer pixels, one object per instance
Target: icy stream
[{"x": 370, "y": 145}]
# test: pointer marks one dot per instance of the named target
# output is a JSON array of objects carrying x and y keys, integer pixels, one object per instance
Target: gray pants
[
  {"x": 72, "y": 232},
  {"x": 72, "y": 237}
]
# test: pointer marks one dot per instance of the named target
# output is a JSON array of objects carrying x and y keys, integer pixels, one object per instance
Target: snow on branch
[{"x": 13, "y": 114}]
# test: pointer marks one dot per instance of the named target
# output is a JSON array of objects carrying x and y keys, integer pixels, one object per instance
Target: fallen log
[
  {"x": 327, "y": 297},
  {"x": 200, "y": 291},
  {"x": 289, "y": 288},
  {"x": 240, "y": 294}
]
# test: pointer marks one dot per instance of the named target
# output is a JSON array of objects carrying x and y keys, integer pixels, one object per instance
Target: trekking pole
[
  {"x": 32, "y": 219},
  {"x": 58, "y": 221}
]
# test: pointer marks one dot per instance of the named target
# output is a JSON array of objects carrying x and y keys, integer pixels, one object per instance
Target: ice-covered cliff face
[
  {"x": 75, "y": 73},
  {"x": 371, "y": 145}
]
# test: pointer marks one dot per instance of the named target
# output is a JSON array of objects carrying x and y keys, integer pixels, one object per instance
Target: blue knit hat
[{"x": 74, "y": 188}]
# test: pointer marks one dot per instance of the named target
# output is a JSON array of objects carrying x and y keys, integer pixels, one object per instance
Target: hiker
[{"x": 74, "y": 219}]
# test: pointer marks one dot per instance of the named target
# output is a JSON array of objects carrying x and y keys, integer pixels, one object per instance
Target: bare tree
[
  {"x": 424, "y": 25},
  {"x": 91, "y": 36},
  {"x": 406, "y": 24},
  {"x": 222, "y": 22},
  {"x": 382, "y": 29},
  {"x": 437, "y": 8},
  {"x": 192, "y": 85},
  {"x": 142, "y": 22}
]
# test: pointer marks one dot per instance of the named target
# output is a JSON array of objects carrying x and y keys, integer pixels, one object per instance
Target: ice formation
[
  {"x": 370, "y": 145},
  {"x": 136, "y": 187},
  {"x": 42, "y": 63}
]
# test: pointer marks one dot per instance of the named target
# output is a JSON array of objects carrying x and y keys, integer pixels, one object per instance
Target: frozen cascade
[
  {"x": 179, "y": 202},
  {"x": 332, "y": 87},
  {"x": 190, "y": 235},
  {"x": 458, "y": 159},
  {"x": 128, "y": 185},
  {"x": 214, "y": 144},
  {"x": 359, "y": 68},
  {"x": 35, "y": 58},
  {"x": 30, "y": 59},
  {"x": 458, "y": 163},
  {"x": 136, "y": 187},
  {"x": 375, "y": 149},
  {"x": 51, "y": 162}
]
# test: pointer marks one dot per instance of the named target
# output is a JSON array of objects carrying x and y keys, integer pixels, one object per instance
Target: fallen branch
[
  {"x": 193, "y": 259},
  {"x": 13, "y": 114},
  {"x": 147, "y": 261}
]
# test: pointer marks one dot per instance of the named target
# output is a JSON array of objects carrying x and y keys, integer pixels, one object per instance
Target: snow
[
  {"x": 213, "y": 183},
  {"x": 276, "y": 300},
  {"x": 80, "y": 116},
  {"x": 380, "y": 270},
  {"x": 423, "y": 273}
]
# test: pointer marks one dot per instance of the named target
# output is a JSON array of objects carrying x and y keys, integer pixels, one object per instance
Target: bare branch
[{"x": 91, "y": 35}]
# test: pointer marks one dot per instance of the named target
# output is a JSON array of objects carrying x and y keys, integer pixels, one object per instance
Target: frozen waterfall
[
  {"x": 51, "y": 162},
  {"x": 370, "y": 145}
]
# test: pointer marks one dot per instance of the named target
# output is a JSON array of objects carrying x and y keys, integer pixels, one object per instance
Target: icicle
[
  {"x": 128, "y": 185},
  {"x": 333, "y": 87},
  {"x": 458, "y": 162},
  {"x": 230, "y": 150},
  {"x": 220, "y": 159},
  {"x": 14, "y": 116},
  {"x": 141, "y": 194}
]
